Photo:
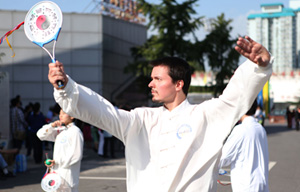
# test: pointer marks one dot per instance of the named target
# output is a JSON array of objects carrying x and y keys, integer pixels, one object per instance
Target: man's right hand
[
  {"x": 56, "y": 73},
  {"x": 253, "y": 51}
]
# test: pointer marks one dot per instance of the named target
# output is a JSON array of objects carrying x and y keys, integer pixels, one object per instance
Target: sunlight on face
[{"x": 162, "y": 88}]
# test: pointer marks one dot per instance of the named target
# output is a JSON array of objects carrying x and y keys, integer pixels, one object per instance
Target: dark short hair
[
  {"x": 36, "y": 107},
  {"x": 56, "y": 108},
  {"x": 179, "y": 69},
  {"x": 252, "y": 109}
]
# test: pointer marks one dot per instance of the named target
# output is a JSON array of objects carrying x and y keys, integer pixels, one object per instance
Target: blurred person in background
[
  {"x": 246, "y": 152},
  {"x": 35, "y": 121}
]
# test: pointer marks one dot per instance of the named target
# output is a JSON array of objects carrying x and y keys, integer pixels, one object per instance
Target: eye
[{"x": 158, "y": 78}]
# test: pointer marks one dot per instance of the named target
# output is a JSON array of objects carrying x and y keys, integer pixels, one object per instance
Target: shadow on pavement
[{"x": 33, "y": 175}]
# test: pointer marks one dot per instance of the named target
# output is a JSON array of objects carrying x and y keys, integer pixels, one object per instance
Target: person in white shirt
[
  {"x": 246, "y": 151},
  {"x": 175, "y": 147},
  {"x": 68, "y": 149}
]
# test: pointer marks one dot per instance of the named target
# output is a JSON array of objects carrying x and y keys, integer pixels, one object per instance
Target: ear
[{"x": 179, "y": 85}]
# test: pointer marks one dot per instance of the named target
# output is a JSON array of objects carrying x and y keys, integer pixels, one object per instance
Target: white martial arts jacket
[
  {"x": 67, "y": 152},
  {"x": 176, "y": 150},
  {"x": 246, "y": 150}
]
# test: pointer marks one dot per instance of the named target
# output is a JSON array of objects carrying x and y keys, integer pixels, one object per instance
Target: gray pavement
[
  {"x": 97, "y": 174},
  {"x": 108, "y": 175}
]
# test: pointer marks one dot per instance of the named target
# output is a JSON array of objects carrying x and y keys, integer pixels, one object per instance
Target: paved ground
[
  {"x": 97, "y": 174},
  {"x": 108, "y": 175}
]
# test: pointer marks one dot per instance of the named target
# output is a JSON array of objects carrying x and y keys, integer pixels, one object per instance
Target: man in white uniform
[
  {"x": 175, "y": 147},
  {"x": 246, "y": 151}
]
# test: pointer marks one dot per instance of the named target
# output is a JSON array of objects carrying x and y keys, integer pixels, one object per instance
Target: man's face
[{"x": 163, "y": 90}]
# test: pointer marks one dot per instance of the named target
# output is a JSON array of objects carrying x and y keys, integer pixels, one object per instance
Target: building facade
[
  {"x": 94, "y": 49},
  {"x": 278, "y": 29}
]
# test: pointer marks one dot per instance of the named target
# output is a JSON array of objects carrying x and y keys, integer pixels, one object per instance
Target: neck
[
  {"x": 244, "y": 116},
  {"x": 69, "y": 123},
  {"x": 174, "y": 104}
]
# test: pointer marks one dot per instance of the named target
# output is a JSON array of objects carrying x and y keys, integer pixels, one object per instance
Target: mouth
[{"x": 153, "y": 92}]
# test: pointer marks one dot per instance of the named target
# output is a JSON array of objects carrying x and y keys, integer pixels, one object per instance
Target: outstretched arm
[{"x": 253, "y": 51}]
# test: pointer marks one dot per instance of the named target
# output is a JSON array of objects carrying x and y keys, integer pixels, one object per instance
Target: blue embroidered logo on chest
[
  {"x": 64, "y": 139},
  {"x": 183, "y": 131}
]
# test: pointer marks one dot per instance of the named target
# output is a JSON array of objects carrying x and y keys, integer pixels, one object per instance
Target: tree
[
  {"x": 174, "y": 23},
  {"x": 219, "y": 50}
]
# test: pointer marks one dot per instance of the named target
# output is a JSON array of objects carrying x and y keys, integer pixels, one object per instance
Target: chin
[{"x": 156, "y": 100}]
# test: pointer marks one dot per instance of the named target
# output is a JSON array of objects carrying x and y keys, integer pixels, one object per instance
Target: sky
[{"x": 237, "y": 10}]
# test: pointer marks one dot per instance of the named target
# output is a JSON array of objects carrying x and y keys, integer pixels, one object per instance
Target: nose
[{"x": 150, "y": 84}]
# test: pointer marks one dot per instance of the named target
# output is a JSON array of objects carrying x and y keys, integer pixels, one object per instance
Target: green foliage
[
  {"x": 199, "y": 89},
  {"x": 174, "y": 23},
  {"x": 219, "y": 50},
  {"x": 174, "y": 26}
]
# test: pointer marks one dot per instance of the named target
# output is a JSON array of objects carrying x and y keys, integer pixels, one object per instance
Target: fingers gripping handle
[{"x": 58, "y": 82}]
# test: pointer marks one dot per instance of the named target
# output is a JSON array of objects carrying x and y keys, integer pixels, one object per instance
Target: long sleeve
[
  {"x": 92, "y": 108},
  {"x": 242, "y": 89},
  {"x": 22, "y": 118},
  {"x": 231, "y": 148},
  {"x": 18, "y": 121},
  {"x": 47, "y": 133}
]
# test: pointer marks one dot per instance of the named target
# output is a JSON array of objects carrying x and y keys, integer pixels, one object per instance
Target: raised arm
[{"x": 243, "y": 87}]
